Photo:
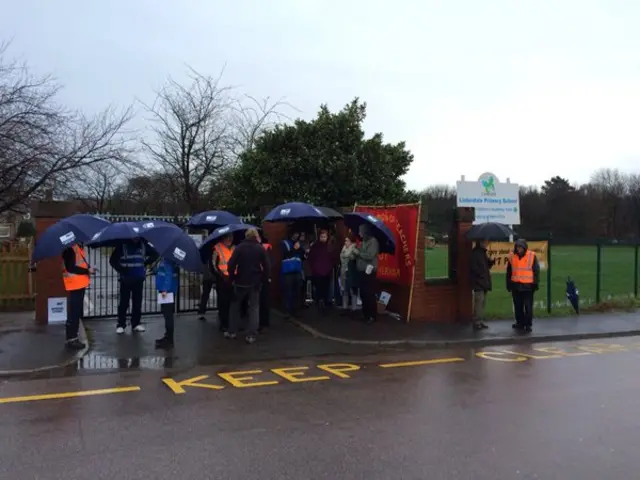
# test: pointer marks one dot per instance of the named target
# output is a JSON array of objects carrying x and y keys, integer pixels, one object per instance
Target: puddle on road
[{"x": 95, "y": 361}]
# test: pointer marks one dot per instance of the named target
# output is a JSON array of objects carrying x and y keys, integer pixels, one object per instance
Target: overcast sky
[{"x": 524, "y": 89}]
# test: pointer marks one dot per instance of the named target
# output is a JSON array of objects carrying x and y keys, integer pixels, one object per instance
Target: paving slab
[
  {"x": 391, "y": 332},
  {"x": 29, "y": 348}
]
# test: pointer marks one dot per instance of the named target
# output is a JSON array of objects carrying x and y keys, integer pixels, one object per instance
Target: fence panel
[
  {"x": 617, "y": 272},
  {"x": 103, "y": 295},
  {"x": 16, "y": 287}
]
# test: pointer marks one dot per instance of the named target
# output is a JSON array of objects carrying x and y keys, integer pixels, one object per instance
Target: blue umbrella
[
  {"x": 378, "y": 229},
  {"x": 115, "y": 234},
  {"x": 573, "y": 295},
  {"x": 290, "y": 212},
  {"x": 237, "y": 229},
  {"x": 213, "y": 219},
  {"x": 65, "y": 233},
  {"x": 173, "y": 244}
]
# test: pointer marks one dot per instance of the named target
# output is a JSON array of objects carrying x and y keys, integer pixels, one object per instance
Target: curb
[
  {"x": 471, "y": 342},
  {"x": 77, "y": 356}
]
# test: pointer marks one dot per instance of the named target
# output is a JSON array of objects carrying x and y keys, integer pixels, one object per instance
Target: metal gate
[{"x": 102, "y": 298}]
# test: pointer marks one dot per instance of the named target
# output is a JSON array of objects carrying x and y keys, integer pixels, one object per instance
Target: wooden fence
[{"x": 16, "y": 283}]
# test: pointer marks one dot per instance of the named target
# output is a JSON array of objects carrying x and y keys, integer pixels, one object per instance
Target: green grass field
[{"x": 579, "y": 262}]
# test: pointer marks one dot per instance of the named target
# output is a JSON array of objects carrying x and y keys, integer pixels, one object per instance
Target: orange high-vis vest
[
  {"x": 224, "y": 255},
  {"x": 74, "y": 281},
  {"x": 522, "y": 268}
]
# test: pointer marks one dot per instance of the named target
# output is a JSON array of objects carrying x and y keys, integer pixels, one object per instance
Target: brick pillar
[
  {"x": 48, "y": 276},
  {"x": 275, "y": 233},
  {"x": 462, "y": 223}
]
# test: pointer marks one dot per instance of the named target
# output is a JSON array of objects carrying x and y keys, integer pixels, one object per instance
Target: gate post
[
  {"x": 463, "y": 222},
  {"x": 48, "y": 275}
]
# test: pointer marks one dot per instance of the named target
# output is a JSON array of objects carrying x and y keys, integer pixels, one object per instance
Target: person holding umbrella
[
  {"x": 367, "y": 267},
  {"x": 480, "y": 265},
  {"x": 222, "y": 253},
  {"x": 75, "y": 276},
  {"x": 66, "y": 238},
  {"x": 523, "y": 278},
  {"x": 130, "y": 259}
]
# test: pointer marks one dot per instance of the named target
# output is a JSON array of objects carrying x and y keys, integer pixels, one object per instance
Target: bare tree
[
  {"x": 250, "y": 118},
  {"x": 95, "y": 185},
  {"x": 41, "y": 141},
  {"x": 199, "y": 130},
  {"x": 633, "y": 190},
  {"x": 611, "y": 186}
]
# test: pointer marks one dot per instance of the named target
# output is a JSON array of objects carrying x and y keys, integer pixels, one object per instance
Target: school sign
[{"x": 492, "y": 200}]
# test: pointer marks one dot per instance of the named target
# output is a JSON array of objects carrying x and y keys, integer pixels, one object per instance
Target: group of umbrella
[{"x": 173, "y": 243}]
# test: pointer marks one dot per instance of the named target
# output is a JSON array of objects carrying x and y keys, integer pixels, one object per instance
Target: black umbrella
[{"x": 489, "y": 231}]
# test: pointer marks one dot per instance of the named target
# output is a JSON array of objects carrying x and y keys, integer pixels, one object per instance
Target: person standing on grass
[
  {"x": 480, "y": 274},
  {"x": 248, "y": 271},
  {"x": 167, "y": 287},
  {"x": 523, "y": 278}
]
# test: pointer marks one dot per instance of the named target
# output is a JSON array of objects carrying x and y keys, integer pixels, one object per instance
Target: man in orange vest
[
  {"x": 523, "y": 278},
  {"x": 222, "y": 252},
  {"x": 75, "y": 275},
  {"x": 265, "y": 305}
]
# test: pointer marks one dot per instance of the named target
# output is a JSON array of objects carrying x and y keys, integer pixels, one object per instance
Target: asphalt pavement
[{"x": 545, "y": 411}]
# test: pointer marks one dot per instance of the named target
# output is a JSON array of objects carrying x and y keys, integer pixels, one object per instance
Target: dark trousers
[
  {"x": 207, "y": 286},
  {"x": 321, "y": 284},
  {"x": 252, "y": 294},
  {"x": 224, "y": 292},
  {"x": 291, "y": 286},
  {"x": 265, "y": 306},
  {"x": 367, "y": 284},
  {"x": 130, "y": 291},
  {"x": 75, "y": 307},
  {"x": 167, "y": 310},
  {"x": 523, "y": 307}
]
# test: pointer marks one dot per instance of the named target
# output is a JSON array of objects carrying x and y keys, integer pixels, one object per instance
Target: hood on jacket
[{"x": 521, "y": 243}]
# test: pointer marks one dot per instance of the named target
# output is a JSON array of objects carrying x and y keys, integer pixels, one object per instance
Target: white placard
[
  {"x": 57, "y": 309},
  {"x": 167, "y": 299},
  {"x": 493, "y": 201}
]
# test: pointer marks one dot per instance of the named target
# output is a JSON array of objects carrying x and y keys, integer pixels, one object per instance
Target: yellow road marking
[
  {"x": 422, "y": 362},
  {"x": 338, "y": 369},
  {"x": 55, "y": 396},
  {"x": 178, "y": 387}
]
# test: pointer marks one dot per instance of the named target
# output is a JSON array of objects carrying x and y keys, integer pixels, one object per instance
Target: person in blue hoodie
[{"x": 167, "y": 283}]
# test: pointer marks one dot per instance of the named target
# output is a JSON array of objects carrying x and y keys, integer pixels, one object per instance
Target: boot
[{"x": 165, "y": 342}]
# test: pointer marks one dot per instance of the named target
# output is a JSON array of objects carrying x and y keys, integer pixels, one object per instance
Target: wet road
[{"x": 523, "y": 412}]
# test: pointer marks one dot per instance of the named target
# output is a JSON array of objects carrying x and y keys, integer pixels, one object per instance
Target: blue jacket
[
  {"x": 166, "y": 277},
  {"x": 130, "y": 260},
  {"x": 291, "y": 259}
]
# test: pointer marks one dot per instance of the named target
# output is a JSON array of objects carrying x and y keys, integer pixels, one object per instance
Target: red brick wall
[
  {"x": 444, "y": 300},
  {"x": 275, "y": 233}
]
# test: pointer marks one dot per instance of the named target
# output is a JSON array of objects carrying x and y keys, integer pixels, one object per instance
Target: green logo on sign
[{"x": 489, "y": 185}]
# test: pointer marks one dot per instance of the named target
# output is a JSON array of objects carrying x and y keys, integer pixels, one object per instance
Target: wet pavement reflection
[{"x": 563, "y": 410}]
